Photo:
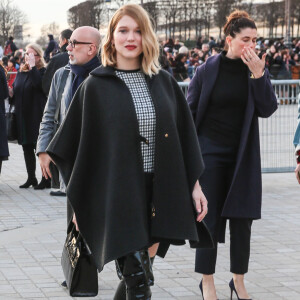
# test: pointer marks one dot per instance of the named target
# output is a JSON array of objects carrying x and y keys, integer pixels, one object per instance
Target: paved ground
[{"x": 32, "y": 233}]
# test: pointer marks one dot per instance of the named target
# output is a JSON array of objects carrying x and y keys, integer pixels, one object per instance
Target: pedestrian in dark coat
[
  {"x": 51, "y": 48},
  {"x": 57, "y": 61},
  {"x": 226, "y": 96},
  {"x": 3, "y": 135},
  {"x": 29, "y": 100},
  {"x": 129, "y": 154}
]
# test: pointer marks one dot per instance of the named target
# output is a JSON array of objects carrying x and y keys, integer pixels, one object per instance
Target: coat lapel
[
  {"x": 210, "y": 77},
  {"x": 244, "y": 134}
]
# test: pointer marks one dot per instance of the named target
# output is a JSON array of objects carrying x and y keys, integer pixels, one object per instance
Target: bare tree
[
  {"x": 223, "y": 9},
  {"x": 10, "y": 16},
  {"x": 88, "y": 13},
  {"x": 51, "y": 28}
]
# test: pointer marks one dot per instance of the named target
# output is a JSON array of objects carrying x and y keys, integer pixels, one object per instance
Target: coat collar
[
  {"x": 110, "y": 71},
  {"x": 103, "y": 71}
]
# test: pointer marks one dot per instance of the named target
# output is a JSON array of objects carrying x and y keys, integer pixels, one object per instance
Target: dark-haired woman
[
  {"x": 180, "y": 71},
  {"x": 3, "y": 136},
  {"x": 226, "y": 96}
]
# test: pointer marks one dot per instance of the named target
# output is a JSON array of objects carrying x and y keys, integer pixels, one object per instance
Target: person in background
[
  {"x": 4, "y": 153},
  {"x": 226, "y": 96},
  {"x": 180, "y": 71},
  {"x": 11, "y": 68},
  {"x": 1, "y": 52},
  {"x": 170, "y": 45},
  {"x": 177, "y": 44},
  {"x": 297, "y": 145},
  {"x": 51, "y": 48},
  {"x": 4, "y": 61},
  {"x": 10, "y": 47},
  {"x": 57, "y": 61},
  {"x": 129, "y": 103},
  {"x": 17, "y": 61},
  {"x": 29, "y": 101},
  {"x": 212, "y": 43},
  {"x": 83, "y": 48}
]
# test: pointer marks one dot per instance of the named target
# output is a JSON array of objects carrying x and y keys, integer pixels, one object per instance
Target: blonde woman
[
  {"x": 29, "y": 101},
  {"x": 129, "y": 154}
]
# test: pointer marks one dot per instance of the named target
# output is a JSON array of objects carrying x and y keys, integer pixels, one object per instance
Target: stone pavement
[{"x": 32, "y": 231}]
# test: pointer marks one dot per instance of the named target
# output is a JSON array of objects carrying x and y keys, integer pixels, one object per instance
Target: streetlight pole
[{"x": 288, "y": 23}]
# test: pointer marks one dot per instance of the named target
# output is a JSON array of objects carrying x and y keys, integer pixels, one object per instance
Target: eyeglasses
[{"x": 74, "y": 43}]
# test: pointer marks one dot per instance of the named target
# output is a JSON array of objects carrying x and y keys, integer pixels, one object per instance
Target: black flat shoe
[
  {"x": 64, "y": 284},
  {"x": 232, "y": 289},
  {"x": 44, "y": 184},
  {"x": 28, "y": 183},
  {"x": 58, "y": 194}
]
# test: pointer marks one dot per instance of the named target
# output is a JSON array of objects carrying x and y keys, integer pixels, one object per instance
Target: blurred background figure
[
  {"x": 3, "y": 135},
  {"x": 29, "y": 100},
  {"x": 51, "y": 48}
]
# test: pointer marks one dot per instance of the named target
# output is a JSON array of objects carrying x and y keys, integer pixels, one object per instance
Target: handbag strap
[{"x": 60, "y": 92}]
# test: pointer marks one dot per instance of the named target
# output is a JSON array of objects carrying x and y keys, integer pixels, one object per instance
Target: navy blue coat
[
  {"x": 245, "y": 194},
  {"x": 3, "y": 136}
]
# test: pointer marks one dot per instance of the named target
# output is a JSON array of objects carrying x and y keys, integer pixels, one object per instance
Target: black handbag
[
  {"x": 11, "y": 125},
  {"x": 79, "y": 269}
]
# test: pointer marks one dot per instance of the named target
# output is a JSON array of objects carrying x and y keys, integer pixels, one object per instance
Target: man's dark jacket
[
  {"x": 57, "y": 61},
  {"x": 245, "y": 194},
  {"x": 97, "y": 150}
]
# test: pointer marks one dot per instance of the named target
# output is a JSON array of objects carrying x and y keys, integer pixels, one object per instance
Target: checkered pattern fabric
[{"x": 137, "y": 85}]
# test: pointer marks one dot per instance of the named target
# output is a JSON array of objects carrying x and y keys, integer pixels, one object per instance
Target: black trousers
[
  {"x": 215, "y": 181},
  {"x": 30, "y": 161}
]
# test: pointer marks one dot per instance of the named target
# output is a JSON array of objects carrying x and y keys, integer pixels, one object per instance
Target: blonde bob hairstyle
[
  {"x": 37, "y": 48},
  {"x": 150, "y": 46}
]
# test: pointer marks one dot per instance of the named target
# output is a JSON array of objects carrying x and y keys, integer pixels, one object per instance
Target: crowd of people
[
  {"x": 137, "y": 159},
  {"x": 282, "y": 62}
]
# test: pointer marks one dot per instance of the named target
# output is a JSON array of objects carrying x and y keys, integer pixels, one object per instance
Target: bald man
[{"x": 83, "y": 48}]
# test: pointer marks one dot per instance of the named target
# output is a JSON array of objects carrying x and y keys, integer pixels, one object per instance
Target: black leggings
[{"x": 30, "y": 161}]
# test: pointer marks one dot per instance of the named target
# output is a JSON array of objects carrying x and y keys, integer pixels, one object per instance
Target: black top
[{"x": 225, "y": 113}]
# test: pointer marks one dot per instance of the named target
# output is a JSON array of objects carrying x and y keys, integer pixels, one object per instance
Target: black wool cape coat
[
  {"x": 244, "y": 198},
  {"x": 97, "y": 150}
]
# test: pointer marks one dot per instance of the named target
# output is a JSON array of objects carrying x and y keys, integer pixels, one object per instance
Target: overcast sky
[{"x": 40, "y": 12}]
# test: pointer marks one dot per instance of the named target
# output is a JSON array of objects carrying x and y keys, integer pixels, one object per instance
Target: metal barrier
[{"x": 277, "y": 132}]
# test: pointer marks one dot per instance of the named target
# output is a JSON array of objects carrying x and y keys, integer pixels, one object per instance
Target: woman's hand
[
  {"x": 200, "y": 202},
  {"x": 30, "y": 60},
  {"x": 297, "y": 172},
  {"x": 254, "y": 63},
  {"x": 75, "y": 222},
  {"x": 10, "y": 92}
]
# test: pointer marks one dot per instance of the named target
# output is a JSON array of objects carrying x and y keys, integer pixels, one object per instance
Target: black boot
[
  {"x": 136, "y": 270},
  {"x": 44, "y": 184},
  {"x": 28, "y": 183},
  {"x": 30, "y": 163},
  {"x": 120, "y": 293}
]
